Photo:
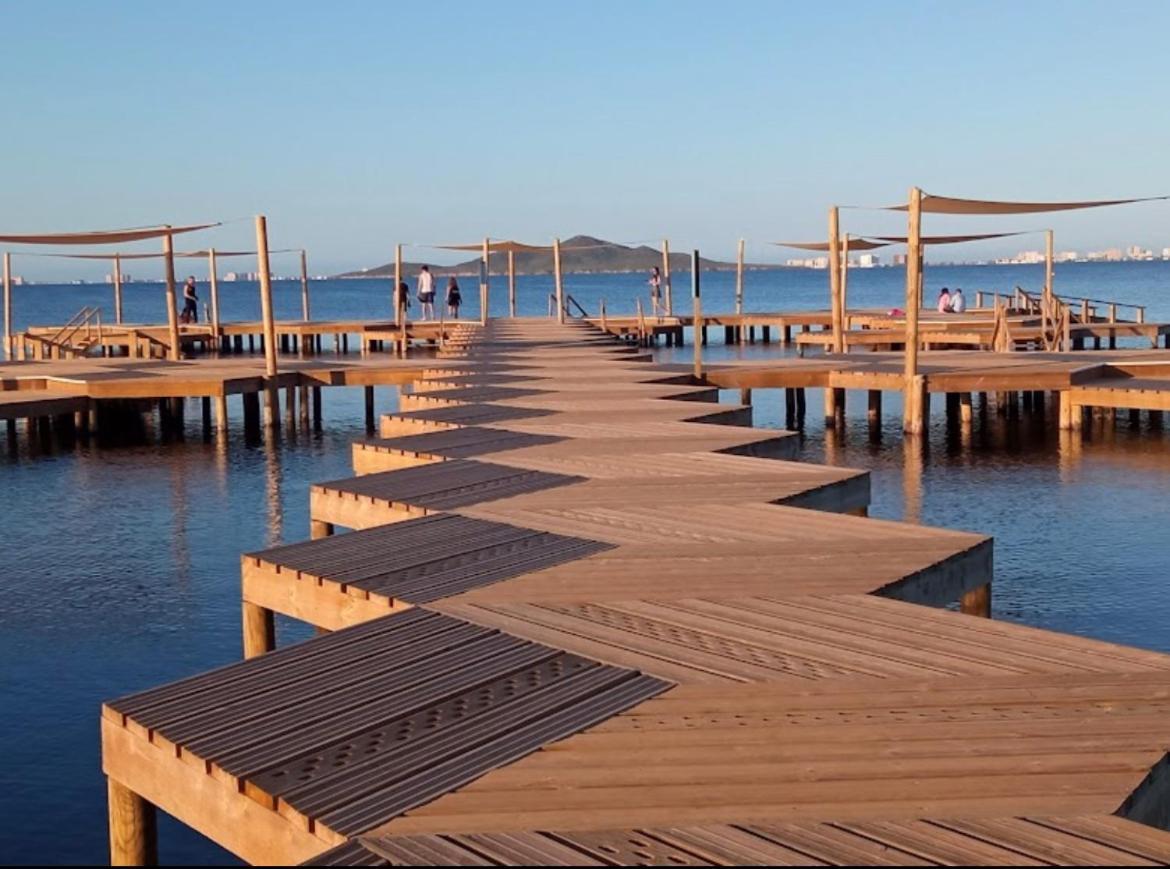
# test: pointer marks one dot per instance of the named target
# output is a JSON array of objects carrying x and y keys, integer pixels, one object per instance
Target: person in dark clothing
[
  {"x": 190, "y": 302},
  {"x": 454, "y": 298}
]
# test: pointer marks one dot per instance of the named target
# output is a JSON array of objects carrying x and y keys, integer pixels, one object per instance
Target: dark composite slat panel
[
  {"x": 482, "y": 378},
  {"x": 426, "y": 559},
  {"x": 364, "y": 724},
  {"x": 463, "y": 442},
  {"x": 997, "y": 841},
  {"x": 481, "y": 394},
  {"x": 447, "y": 485},
  {"x": 475, "y": 414}
]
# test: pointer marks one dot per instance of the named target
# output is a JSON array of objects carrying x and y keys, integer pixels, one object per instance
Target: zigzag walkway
[{"x": 585, "y": 616}]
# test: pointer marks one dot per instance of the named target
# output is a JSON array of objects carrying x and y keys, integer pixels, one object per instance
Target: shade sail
[
  {"x": 498, "y": 247},
  {"x": 949, "y": 239},
  {"x": 112, "y": 236},
  {"x": 951, "y": 205},
  {"x": 855, "y": 244},
  {"x": 185, "y": 253}
]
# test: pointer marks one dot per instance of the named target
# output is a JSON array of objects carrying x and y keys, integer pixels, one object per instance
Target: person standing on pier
[
  {"x": 944, "y": 301},
  {"x": 454, "y": 297},
  {"x": 190, "y": 302},
  {"x": 958, "y": 303},
  {"x": 655, "y": 289},
  {"x": 426, "y": 293}
]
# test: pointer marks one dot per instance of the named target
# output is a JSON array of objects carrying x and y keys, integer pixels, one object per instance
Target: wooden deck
[{"x": 583, "y": 624}]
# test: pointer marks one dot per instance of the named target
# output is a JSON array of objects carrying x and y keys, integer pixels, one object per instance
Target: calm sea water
[{"x": 121, "y": 567}]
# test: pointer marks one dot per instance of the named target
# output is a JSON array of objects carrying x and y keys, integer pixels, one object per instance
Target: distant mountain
[{"x": 579, "y": 254}]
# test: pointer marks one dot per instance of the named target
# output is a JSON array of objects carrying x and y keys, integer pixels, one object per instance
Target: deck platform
[{"x": 610, "y": 647}]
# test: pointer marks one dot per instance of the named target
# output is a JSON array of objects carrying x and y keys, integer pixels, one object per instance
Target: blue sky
[{"x": 354, "y": 125}]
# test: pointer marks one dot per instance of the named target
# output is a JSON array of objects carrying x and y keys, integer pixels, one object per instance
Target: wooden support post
[
  {"x": 303, "y": 396},
  {"x": 397, "y": 297},
  {"x": 874, "y": 413},
  {"x": 117, "y": 289},
  {"x": 1071, "y": 416},
  {"x": 698, "y": 314},
  {"x": 271, "y": 401},
  {"x": 835, "y": 280},
  {"x": 557, "y": 277},
  {"x": 317, "y": 407},
  {"x": 259, "y": 630},
  {"x": 739, "y": 278},
  {"x": 830, "y": 407},
  {"x": 666, "y": 277},
  {"x": 977, "y": 602},
  {"x": 213, "y": 281},
  {"x": 290, "y": 406},
  {"x": 370, "y": 419},
  {"x": 965, "y": 413},
  {"x": 1049, "y": 264},
  {"x": 745, "y": 397},
  {"x": 511, "y": 283},
  {"x": 789, "y": 408},
  {"x": 319, "y": 529},
  {"x": 133, "y": 827},
  {"x": 912, "y": 422},
  {"x": 305, "y": 311},
  {"x": 844, "y": 292},
  {"x": 205, "y": 413},
  {"x": 801, "y": 407},
  {"x": 172, "y": 312},
  {"x": 251, "y": 402},
  {"x": 221, "y": 414},
  {"x": 485, "y": 282},
  {"x": 9, "y": 351}
]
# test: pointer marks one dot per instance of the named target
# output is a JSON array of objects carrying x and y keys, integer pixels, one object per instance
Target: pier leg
[
  {"x": 251, "y": 411},
  {"x": 916, "y": 409},
  {"x": 221, "y": 413},
  {"x": 874, "y": 413},
  {"x": 259, "y": 630},
  {"x": 767, "y": 334},
  {"x": 133, "y": 827},
  {"x": 290, "y": 407},
  {"x": 370, "y": 408},
  {"x": 304, "y": 405},
  {"x": 1135, "y": 418},
  {"x": 319, "y": 529},
  {"x": 272, "y": 407},
  {"x": 977, "y": 602},
  {"x": 205, "y": 408},
  {"x": 789, "y": 408},
  {"x": 801, "y": 407},
  {"x": 830, "y": 407},
  {"x": 1071, "y": 417},
  {"x": 317, "y": 408},
  {"x": 745, "y": 396},
  {"x": 786, "y": 336},
  {"x": 10, "y": 426},
  {"x": 1155, "y": 419},
  {"x": 703, "y": 331},
  {"x": 965, "y": 410}
]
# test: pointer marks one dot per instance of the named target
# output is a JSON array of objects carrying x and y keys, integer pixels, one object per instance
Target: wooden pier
[{"x": 590, "y": 617}]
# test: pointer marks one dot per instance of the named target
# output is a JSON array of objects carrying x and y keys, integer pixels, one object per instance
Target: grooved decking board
[
  {"x": 448, "y": 485},
  {"x": 425, "y": 559},
  {"x": 475, "y": 414},
  {"x": 462, "y": 442}
]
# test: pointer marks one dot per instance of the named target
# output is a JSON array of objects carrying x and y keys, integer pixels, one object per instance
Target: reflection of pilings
[
  {"x": 1070, "y": 454},
  {"x": 272, "y": 487}
]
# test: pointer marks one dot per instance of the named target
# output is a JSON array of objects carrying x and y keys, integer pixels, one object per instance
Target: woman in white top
[
  {"x": 958, "y": 303},
  {"x": 426, "y": 293},
  {"x": 944, "y": 301}
]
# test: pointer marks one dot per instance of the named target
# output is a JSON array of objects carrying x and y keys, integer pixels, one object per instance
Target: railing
[
  {"x": 1085, "y": 308},
  {"x": 69, "y": 341},
  {"x": 569, "y": 300}
]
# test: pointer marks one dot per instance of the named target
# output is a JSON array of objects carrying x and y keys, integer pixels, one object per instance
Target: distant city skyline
[{"x": 357, "y": 125}]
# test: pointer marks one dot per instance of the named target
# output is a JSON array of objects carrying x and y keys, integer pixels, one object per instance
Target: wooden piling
[
  {"x": 304, "y": 290},
  {"x": 965, "y": 410},
  {"x": 874, "y": 414},
  {"x": 370, "y": 419},
  {"x": 271, "y": 417},
  {"x": 511, "y": 283},
  {"x": 698, "y": 314},
  {"x": 259, "y": 630},
  {"x": 221, "y": 413},
  {"x": 912, "y": 422},
  {"x": 977, "y": 602},
  {"x": 558, "y": 278},
  {"x": 172, "y": 312},
  {"x": 117, "y": 289},
  {"x": 213, "y": 281},
  {"x": 666, "y": 277},
  {"x": 485, "y": 282},
  {"x": 303, "y": 397},
  {"x": 745, "y": 397},
  {"x": 317, "y": 407},
  {"x": 9, "y": 351},
  {"x": 739, "y": 278},
  {"x": 835, "y": 280},
  {"x": 830, "y": 407},
  {"x": 290, "y": 407},
  {"x": 133, "y": 827}
]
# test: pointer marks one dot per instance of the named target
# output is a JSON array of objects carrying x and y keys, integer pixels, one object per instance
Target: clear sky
[{"x": 354, "y": 125}]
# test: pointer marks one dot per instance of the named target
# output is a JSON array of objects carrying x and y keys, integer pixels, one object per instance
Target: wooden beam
[
  {"x": 8, "y": 348},
  {"x": 213, "y": 280},
  {"x": 835, "y": 280},
  {"x": 911, "y": 414},
  {"x": 698, "y": 314},
  {"x": 560, "y": 285},
  {"x": 133, "y": 827},
  {"x": 172, "y": 313},
  {"x": 666, "y": 277},
  {"x": 739, "y": 278},
  {"x": 511, "y": 283},
  {"x": 117, "y": 289},
  {"x": 844, "y": 292},
  {"x": 304, "y": 288}
]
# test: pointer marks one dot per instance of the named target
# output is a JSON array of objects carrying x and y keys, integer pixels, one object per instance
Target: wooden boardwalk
[{"x": 591, "y": 618}]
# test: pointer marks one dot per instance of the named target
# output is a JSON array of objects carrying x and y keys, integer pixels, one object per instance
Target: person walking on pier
[
  {"x": 944, "y": 301},
  {"x": 655, "y": 290},
  {"x": 454, "y": 297},
  {"x": 190, "y": 302},
  {"x": 958, "y": 303},
  {"x": 426, "y": 293}
]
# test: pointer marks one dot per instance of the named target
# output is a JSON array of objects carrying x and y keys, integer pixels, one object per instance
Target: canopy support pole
[
  {"x": 400, "y": 300},
  {"x": 118, "y": 289},
  {"x": 739, "y": 280},
  {"x": 511, "y": 284},
  {"x": 912, "y": 422},
  {"x": 835, "y": 279},
  {"x": 271, "y": 408},
  {"x": 9, "y": 350},
  {"x": 698, "y": 314},
  {"x": 560, "y": 284},
  {"x": 172, "y": 313},
  {"x": 844, "y": 290},
  {"x": 485, "y": 283},
  {"x": 666, "y": 277},
  {"x": 304, "y": 286},
  {"x": 213, "y": 280}
]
